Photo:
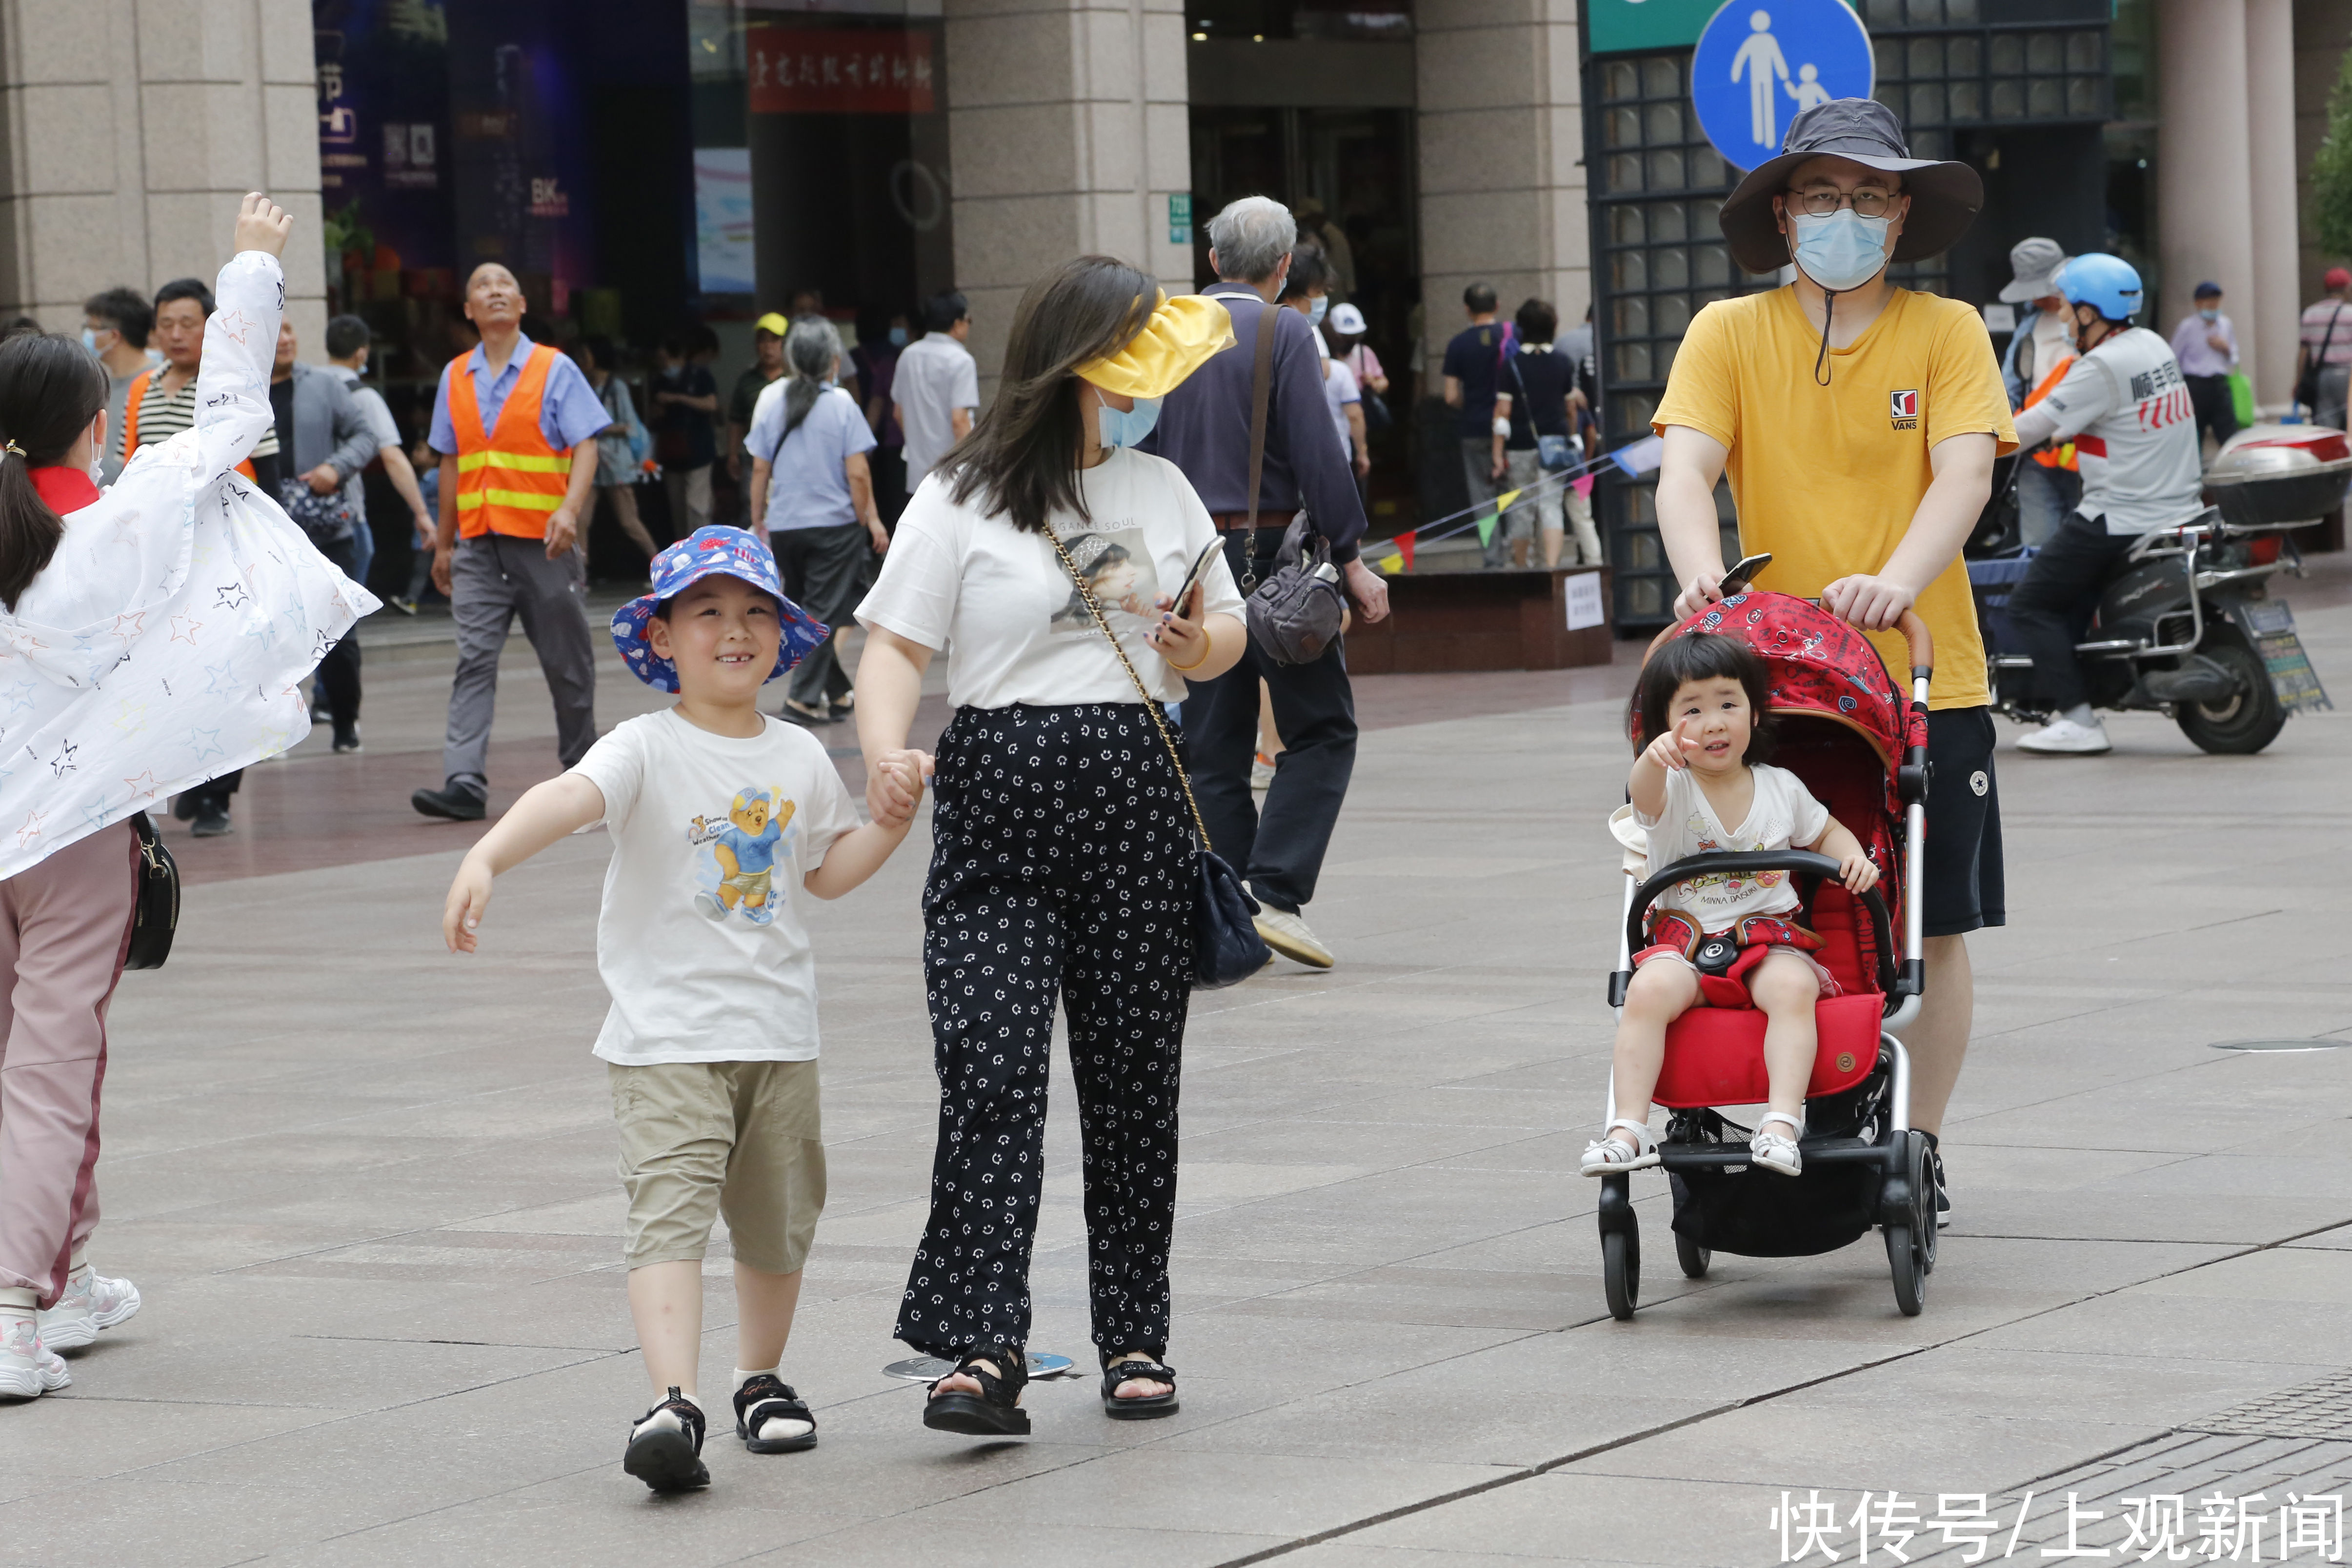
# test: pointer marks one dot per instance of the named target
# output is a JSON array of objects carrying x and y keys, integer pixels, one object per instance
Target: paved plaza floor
[{"x": 368, "y": 1191}]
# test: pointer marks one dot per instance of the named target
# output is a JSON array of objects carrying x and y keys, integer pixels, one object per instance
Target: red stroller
[{"x": 1861, "y": 751}]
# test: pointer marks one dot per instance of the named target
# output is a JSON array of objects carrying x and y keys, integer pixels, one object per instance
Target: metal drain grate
[{"x": 2318, "y": 1409}]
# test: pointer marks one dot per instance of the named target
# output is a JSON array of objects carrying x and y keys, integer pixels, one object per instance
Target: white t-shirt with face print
[
  {"x": 700, "y": 940},
  {"x": 1001, "y": 603},
  {"x": 1784, "y": 814}
]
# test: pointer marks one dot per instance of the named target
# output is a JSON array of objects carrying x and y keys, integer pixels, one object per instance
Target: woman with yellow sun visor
[{"x": 1061, "y": 867}]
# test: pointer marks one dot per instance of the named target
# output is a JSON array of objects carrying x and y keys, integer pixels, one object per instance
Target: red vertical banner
[{"x": 839, "y": 71}]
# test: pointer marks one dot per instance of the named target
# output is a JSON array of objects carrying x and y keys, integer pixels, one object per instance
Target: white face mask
[{"x": 1841, "y": 250}]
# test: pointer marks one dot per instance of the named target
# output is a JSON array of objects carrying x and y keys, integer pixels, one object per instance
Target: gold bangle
[{"x": 1207, "y": 649}]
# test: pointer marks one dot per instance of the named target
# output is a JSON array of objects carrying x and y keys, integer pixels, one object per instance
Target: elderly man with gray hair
[{"x": 1204, "y": 429}]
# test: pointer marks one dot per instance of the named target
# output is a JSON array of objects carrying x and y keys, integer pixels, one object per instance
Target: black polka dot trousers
[{"x": 1062, "y": 866}]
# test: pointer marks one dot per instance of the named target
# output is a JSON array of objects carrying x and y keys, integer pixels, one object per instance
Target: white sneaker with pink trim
[
  {"x": 28, "y": 1370},
  {"x": 91, "y": 1302}
]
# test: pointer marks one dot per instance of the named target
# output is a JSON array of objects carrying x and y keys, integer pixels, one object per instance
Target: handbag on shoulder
[
  {"x": 1226, "y": 948},
  {"x": 1297, "y": 614},
  {"x": 155, "y": 903}
]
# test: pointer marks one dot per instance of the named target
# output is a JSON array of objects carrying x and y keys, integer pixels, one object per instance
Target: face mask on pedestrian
[
  {"x": 898, "y": 337},
  {"x": 1841, "y": 251},
  {"x": 1317, "y": 309},
  {"x": 1125, "y": 426},
  {"x": 2208, "y": 311}
]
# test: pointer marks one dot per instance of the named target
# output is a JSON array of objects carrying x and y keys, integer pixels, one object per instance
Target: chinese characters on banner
[
  {"x": 806, "y": 70},
  {"x": 2172, "y": 1527}
]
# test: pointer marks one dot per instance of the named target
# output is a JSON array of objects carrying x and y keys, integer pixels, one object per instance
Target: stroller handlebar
[{"x": 1894, "y": 981}]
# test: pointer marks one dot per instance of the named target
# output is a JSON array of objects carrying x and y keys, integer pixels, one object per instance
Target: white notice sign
[{"x": 1584, "y": 608}]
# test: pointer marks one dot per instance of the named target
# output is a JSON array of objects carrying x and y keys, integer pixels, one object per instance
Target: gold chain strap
[{"x": 1150, "y": 705}]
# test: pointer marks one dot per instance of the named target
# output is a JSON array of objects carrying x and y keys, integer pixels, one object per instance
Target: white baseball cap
[{"x": 1347, "y": 319}]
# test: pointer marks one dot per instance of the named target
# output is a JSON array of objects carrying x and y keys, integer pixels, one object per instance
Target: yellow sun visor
[{"x": 1176, "y": 340}]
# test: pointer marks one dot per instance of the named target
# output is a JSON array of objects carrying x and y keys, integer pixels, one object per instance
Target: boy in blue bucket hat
[{"x": 717, "y": 814}]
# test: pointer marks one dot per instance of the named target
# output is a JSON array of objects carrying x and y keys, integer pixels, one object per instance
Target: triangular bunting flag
[
  {"x": 1486, "y": 529},
  {"x": 1392, "y": 564},
  {"x": 1503, "y": 502},
  {"x": 1404, "y": 547}
]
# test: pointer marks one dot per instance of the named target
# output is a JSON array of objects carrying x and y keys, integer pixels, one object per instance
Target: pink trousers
[{"x": 65, "y": 928}]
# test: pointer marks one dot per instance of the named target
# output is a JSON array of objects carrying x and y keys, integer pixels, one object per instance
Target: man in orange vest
[{"x": 515, "y": 422}]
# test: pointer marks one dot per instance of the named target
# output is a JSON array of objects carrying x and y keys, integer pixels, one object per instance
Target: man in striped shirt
[{"x": 163, "y": 402}]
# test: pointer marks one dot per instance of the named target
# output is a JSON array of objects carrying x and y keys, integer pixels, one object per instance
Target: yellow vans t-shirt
[{"x": 1826, "y": 478}]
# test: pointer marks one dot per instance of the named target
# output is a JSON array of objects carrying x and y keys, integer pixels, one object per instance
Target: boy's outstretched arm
[
  {"x": 857, "y": 854},
  {"x": 546, "y": 813},
  {"x": 1854, "y": 869}
]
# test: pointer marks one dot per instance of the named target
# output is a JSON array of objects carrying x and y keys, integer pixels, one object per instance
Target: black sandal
[
  {"x": 767, "y": 1398},
  {"x": 995, "y": 1411},
  {"x": 668, "y": 1458},
  {"x": 1134, "y": 1369}
]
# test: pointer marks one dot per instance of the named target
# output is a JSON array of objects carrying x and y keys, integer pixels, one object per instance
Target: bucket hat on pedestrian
[
  {"x": 1945, "y": 195},
  {"x": 710, "y": 551},
  {"x": 2034, "y": 265}
]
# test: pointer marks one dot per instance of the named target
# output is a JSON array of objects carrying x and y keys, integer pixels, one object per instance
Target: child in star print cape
[{"x": 162, "y": 644}]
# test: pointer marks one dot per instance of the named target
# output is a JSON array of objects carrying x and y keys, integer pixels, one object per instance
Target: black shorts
[{"x": 1963, "y": 861}]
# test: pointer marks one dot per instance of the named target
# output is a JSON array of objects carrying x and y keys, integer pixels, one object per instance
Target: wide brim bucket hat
[
  {"x": 1945, "y": 195},
  {"x": 2034, "y": 262},
  {"x": 707, "y": 551}
]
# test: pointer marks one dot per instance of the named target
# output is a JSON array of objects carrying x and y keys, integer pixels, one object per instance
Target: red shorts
[{"x": 1724, "y": 960}]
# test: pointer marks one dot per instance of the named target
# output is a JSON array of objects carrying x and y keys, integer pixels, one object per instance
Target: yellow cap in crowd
[{"x": 774, "y": 321}]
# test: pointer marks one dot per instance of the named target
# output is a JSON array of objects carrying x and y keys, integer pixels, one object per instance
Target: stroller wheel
[
  {"x": 1691, "y": 1257},
  {"x": 1909, "y": 1270},
  {"x": 1621, "y": 1271}
]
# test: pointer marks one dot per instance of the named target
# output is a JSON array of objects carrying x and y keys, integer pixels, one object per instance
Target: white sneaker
[
  {"x": 90, "y": 1303},
  {"x": 2064, "y": 737},
  {"x": 1287, "y": 935},
  {"x": 28, "y": 1370},
  {"x": 1261, "y": 775}
]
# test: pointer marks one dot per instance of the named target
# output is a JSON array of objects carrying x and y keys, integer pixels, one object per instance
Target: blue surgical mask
[
  {"x": 1127, "y": 427},
  {"x": 898, "y": 337},
  {"x": 2208, "y": 311},
  {"x": 1843, "y": 250},
  {"x": 90, "y": 340},
  {"x": 1317, "y": 309}
]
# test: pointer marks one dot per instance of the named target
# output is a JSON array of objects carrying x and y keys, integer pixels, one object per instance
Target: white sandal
[
  {"x": 1608, "y": 1153},
  {"x": 1774, "y": 1153}
]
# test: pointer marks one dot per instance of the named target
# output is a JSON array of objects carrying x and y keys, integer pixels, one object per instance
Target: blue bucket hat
[{"x": 715, "y": 549}]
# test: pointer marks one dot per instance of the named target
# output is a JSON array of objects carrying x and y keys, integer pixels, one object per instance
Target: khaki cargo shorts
[{"x": 702, "y": 1139}]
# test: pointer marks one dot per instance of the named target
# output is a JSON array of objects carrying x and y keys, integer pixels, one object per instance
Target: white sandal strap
[
  {"x": 1796, "y": 1123},
  {"x": 1640, "y": 1130}
]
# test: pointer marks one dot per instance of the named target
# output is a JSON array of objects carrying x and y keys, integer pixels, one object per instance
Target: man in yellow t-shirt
[{"x": 1858, "y": 423}]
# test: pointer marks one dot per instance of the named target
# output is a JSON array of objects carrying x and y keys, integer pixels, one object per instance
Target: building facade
[{"x": 653, "y": 169}]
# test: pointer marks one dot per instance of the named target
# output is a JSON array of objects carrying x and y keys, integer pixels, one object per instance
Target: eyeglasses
[{"x": 1823, "y": 200}]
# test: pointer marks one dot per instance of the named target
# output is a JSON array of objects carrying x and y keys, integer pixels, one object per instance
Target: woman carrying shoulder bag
[
  {"x": 1063, "y": 859},
  {"x": 150, "y": 640}
]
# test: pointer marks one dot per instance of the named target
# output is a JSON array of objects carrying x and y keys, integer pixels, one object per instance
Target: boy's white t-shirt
[
  {"x": 1784, "y": 813},
  {"x": 700, "y": 942},
  {"x": 1001, "y": 603}
]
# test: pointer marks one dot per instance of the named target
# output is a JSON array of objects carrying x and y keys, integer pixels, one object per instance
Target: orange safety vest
[
  {"x": 131, "y": 401},
  {"x": 511, "y": 482},
  {"x": 2063, "y": 456}
]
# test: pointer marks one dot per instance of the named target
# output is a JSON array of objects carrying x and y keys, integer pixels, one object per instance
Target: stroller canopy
[{"x": 1820, "y": 666}]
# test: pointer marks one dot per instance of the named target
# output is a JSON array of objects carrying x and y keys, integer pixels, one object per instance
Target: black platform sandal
[
  {"x": 995, "y": 1411},
  {"x": 767, "y": 1398},
  {"x": 668, "y": 1459},
  {"x": 1133, "y": 1369}
]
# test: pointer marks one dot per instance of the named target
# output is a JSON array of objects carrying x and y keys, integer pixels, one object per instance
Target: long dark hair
[
  {"x": 1021, "y": 459},
  {"x": 1703, "y": 656},
  {"x": 50, "y": 388}
]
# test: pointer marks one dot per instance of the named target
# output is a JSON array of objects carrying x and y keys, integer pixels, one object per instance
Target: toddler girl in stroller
[{"x": 1702, "y": 786}]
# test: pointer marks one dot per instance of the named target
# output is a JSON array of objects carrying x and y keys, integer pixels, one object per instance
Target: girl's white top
[
  {"x": 162, "y": 645},
  {"x": 1782, "y": 813}
]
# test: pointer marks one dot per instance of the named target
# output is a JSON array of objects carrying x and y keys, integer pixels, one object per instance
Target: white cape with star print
[{"x": 161, "y": 646}]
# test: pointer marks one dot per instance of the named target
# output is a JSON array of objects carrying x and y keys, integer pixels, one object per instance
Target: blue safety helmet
[{"x": 2108, "y": 284}]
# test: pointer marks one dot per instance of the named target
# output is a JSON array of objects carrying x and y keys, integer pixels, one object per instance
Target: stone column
[
  {"x": 1067, "y": 134},
  {"x": 2205, "y": 211},
  {"x": 2266, "y": 320},
  {"x": 132, "y": 127},
  {"x": 1502, "y": 134}
]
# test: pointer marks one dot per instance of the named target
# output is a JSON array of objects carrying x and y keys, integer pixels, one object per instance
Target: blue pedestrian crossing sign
[{"x": 1761, "y": 63}]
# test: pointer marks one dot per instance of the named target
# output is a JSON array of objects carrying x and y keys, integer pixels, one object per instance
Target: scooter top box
[{"x": 2280, "y": 476}]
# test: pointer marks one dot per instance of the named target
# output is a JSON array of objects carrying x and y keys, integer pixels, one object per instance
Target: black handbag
[
  {"x": 155, "y": 903},
  {"x": 325, "y": 519},
  {"x": 2306, "y": 385},
  {"x": 1297, "y": 614},
  {"x": 1226, "y": 948}
]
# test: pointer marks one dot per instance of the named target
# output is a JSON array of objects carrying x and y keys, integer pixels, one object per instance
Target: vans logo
[{"x": 1903, "y": 409}]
